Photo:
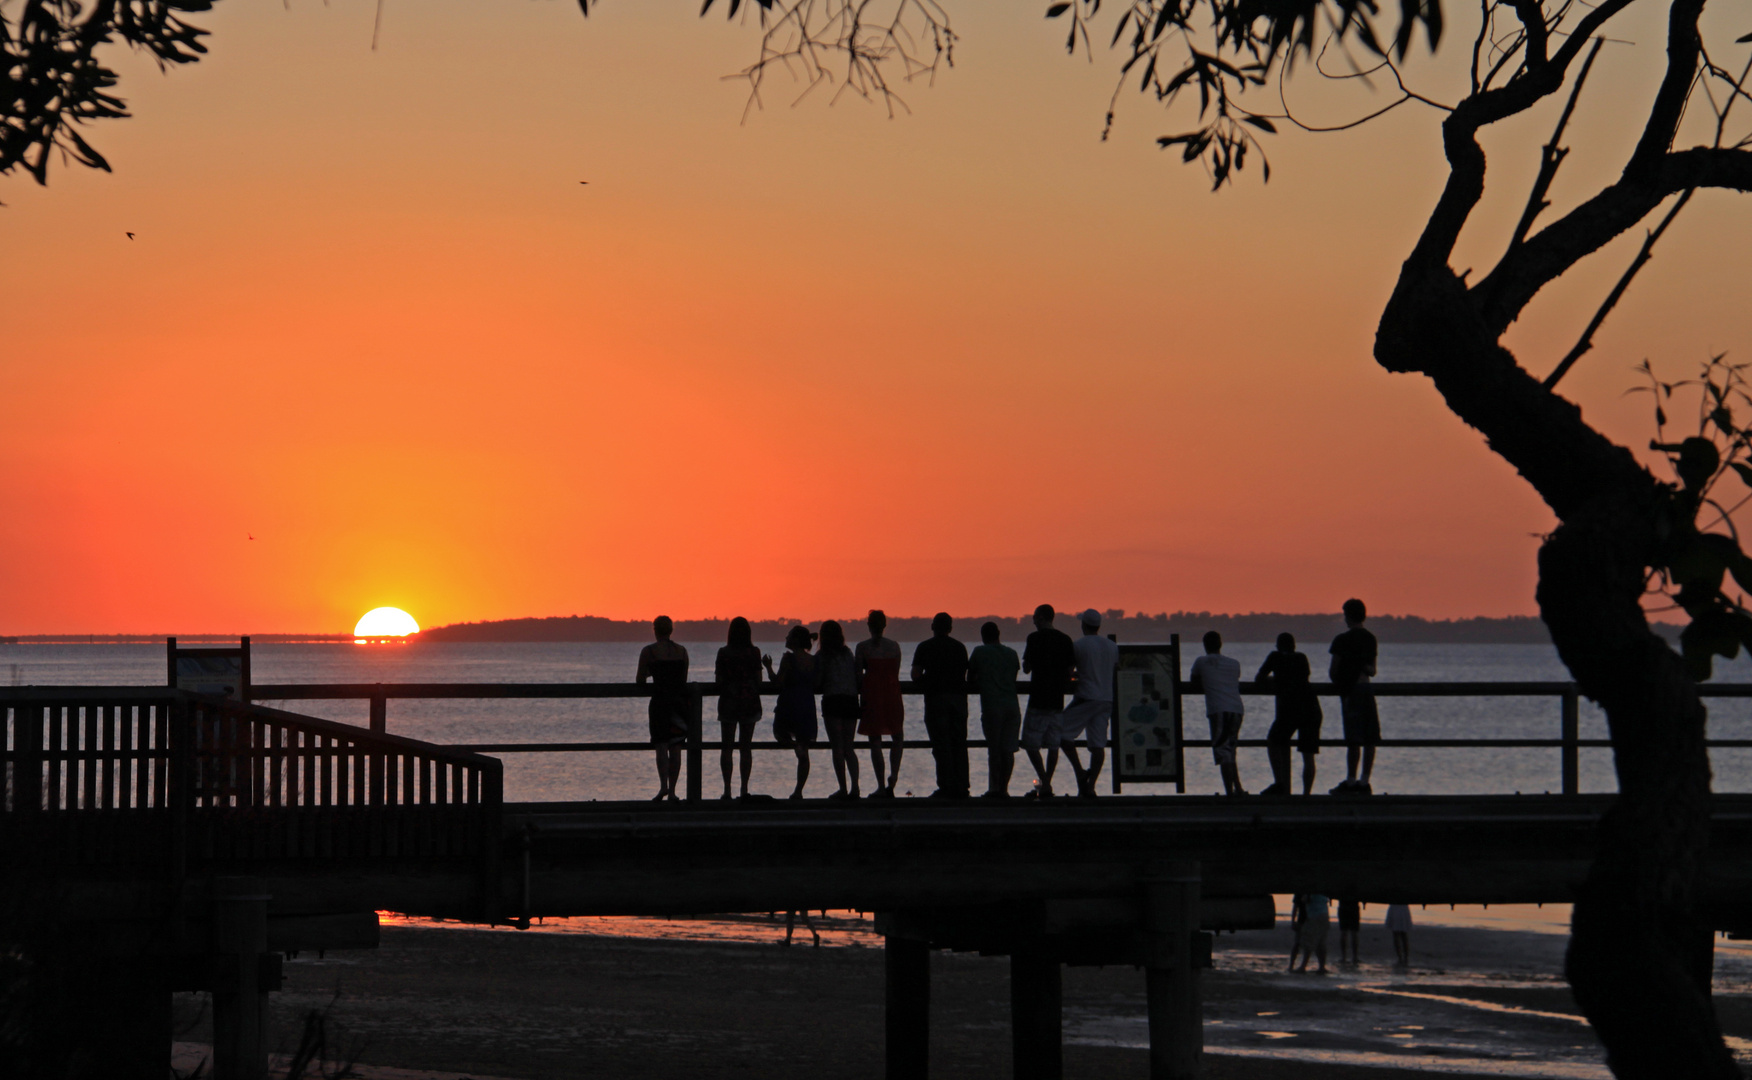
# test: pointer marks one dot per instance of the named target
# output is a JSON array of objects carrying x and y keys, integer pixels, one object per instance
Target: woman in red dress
[{"x": 880, "y": 711}]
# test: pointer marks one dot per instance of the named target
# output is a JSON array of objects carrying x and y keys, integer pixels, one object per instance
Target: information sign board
[{"x": 1147, "y": 744}]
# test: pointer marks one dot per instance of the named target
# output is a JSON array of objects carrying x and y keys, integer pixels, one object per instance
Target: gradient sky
[{"x": 969, "y": 358}]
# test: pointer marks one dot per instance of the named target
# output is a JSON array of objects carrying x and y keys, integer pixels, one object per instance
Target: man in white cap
[{"x": 1091, "y": 706}]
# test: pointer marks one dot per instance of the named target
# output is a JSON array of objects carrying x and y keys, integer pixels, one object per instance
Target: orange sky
[{"x": 966, "y": 359}]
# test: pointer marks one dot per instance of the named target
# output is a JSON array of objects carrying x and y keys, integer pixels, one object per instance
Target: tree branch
[
  {"x": 1551, "y": 156},
  {"x": 1684, "y": 49},
  {"x": 1460, "y": 134},
  {"x": 1586, "y": 341},
  {"x": 1595, "y": 223},
  {"x": 1532, "y": 16}
]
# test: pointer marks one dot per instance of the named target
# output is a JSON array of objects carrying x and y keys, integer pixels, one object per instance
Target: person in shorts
[
  {"x": 1091, "y": 707},
  {"x": 1353, "y": 665},
  {"x": 737, "y": 674},
  {"x": 1286, "y": 673},
  {"x": 1049, "y": 659},
  {"x": 991, "y": 670},
  {"x": 836, "y": 679},
  {"x": 1218, "y": 678},
  {"x": 939, "y": 667},
  {"x": 664, "y": 663}
]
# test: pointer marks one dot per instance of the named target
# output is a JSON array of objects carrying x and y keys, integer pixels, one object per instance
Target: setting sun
[{"x": 385, "y": 622}]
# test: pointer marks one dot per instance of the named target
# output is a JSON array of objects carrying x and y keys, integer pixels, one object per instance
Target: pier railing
[
  {"x": 1568, "y": 740},
  {"x": 94, "y": 774}
]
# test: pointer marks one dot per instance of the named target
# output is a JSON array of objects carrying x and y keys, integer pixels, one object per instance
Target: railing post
[
  {"x": 696, "y": 723},
  {"x": 1572, "y": 733},
  {"x": 27, "y": 765},
  {"x": 379, "y": 724},
  {"x": 490, "y": 815}
]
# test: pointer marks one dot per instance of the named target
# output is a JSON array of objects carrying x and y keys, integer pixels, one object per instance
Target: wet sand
[{"x": 721, "y": 998}]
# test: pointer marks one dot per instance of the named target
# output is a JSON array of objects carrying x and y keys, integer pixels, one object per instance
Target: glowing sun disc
[{"x": 385, "y": 622}]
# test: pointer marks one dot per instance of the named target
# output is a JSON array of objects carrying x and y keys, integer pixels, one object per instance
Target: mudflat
[{"x": 709, "y": 999}]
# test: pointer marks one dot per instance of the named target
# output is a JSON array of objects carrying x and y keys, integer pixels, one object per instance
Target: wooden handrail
[{"x": 367, "y": 691}]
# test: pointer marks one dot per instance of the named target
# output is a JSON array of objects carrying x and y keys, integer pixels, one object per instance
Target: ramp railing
[{"x": 143, "y": 774}]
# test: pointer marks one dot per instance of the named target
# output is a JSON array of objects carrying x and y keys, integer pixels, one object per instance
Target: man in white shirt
[
  {"x": 1218, "y": 678},
  {"x": 1091, "y": 706}
]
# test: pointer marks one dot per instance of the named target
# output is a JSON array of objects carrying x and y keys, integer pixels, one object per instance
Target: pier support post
[
  {"x": 908, "y": 1008},
  {"x": 1036, "y": 1015},
  {"x": 1171, "y": 896},
  {"x": 240, "y": 1000}
]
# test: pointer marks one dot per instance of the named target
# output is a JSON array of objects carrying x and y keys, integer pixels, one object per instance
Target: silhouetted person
[
  {"x": 1049, "y": 659},
  {"x": 1218, "y": 678},
  {"x": 791, "y": 918},
  {"x": 1311, "y": 931},
  {"x": 794, "y": 713},
  {"x": 1399, "y": 924},
  {"x": 939, "y": 667},
  {"x": 737, "y": 674},
  {"x": 991, "y": 670},
  {"x": 1286, "y": 674},
  {"x": 836, "y": 677},
  {"x": 1091, "y": 708},
  {"x": 1353, "y": 665},
  {"x": 1350, "y": 929},
  {"x": 880, "y": 711},
  {"x": 665, "y": 664}
]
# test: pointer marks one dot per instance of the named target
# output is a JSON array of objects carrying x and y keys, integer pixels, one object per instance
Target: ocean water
[{"x": 631, "y": 775}]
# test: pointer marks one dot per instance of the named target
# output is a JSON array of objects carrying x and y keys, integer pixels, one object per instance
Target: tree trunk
[{"x": 1639, "y": 961}]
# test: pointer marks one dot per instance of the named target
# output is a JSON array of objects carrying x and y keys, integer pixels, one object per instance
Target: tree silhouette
[
  {"x": 51, "y": 82},
  {"x": 1639, "y": 958}
]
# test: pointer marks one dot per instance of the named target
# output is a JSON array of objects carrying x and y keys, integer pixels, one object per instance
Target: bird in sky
[
  {"x": 130, "y": 236},
  {"x": 250, "y": 535},
  {"x": 581, "y": 182}
]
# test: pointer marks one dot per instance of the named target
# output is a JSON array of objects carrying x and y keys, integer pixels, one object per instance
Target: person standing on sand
[
  {"x": 1311, "y": 936},
  {"x": 939, "y": 667},
  {"x": 1350, "y": 928},
  {"x": 836, "y": 677},
  {"x": 1091, "y": 707},
  {"x": 794, "y": 713},
  {"x": 880, "y": 711},
  {"x": 1399, "y": 923},
  {"x": 737, "y": 674},
  {"x": 1353, "y": 665},
  {"x": 991, "y": 670},
  {"x": 1286, "y": 674},
  {"x": 1050, "y": 658},
  {"x": 1218, "y": 678},
  {"x": 665, "y": 664}
]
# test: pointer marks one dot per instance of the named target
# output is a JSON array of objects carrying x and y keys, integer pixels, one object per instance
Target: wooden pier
[{"x": 181, "y": 841}]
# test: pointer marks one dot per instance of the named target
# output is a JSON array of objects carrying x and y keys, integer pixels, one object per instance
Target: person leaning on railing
[
  {"x": 1287, "y": 674},
  {"x": 794, "y": 713}
]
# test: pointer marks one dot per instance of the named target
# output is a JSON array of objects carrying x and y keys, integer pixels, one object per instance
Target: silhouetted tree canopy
[{"x": 54, "y": 83}]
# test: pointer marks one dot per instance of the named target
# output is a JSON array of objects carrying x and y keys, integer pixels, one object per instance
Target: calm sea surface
[{"x": 632, "y": 775}]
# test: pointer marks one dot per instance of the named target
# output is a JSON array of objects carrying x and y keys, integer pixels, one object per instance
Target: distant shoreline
[
  {"x": 1254, "y": 627},
  {"x": 1136, "y": 626}
]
